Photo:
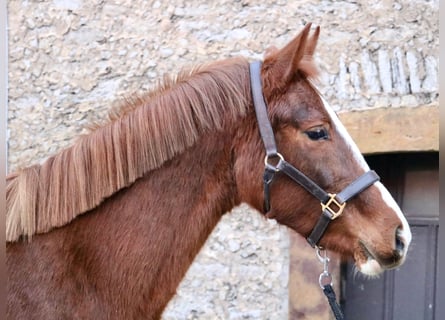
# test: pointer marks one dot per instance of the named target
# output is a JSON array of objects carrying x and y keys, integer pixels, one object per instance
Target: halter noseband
[{"x": 332, "y": 205}]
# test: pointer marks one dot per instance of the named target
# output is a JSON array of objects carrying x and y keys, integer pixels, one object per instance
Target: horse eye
[{"x": 317, "y": 134}]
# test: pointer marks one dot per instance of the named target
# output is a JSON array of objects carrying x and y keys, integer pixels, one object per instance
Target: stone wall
[{"x": 69, "y": 60}]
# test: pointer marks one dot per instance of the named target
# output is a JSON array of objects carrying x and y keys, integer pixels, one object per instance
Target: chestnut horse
[{"x": 107, "y": 228}]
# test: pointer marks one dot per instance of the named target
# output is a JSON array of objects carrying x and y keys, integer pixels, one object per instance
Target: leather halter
[{"x": 332, "y": 205}]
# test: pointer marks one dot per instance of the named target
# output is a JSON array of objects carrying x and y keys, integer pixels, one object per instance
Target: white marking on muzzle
[{"x": 370, "y": 268}]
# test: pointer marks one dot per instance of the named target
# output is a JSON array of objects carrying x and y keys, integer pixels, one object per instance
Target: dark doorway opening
[{"x": 409, "y": 292}]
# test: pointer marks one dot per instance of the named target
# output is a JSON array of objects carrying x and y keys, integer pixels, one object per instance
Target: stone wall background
[{"x": 70, "y": 60}]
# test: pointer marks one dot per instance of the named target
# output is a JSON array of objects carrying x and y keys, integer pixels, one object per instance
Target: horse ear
[
  {"x": 284, "y": 63},
  {"x": 312, "y": 43}
]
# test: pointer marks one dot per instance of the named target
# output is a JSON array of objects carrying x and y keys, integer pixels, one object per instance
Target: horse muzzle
[{"x": 371, "y": 261}]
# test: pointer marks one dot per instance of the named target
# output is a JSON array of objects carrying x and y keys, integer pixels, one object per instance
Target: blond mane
[{"x": 146, "y": 132}]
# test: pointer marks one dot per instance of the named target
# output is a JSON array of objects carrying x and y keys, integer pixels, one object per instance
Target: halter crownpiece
[{"x": 332, "y": 205}]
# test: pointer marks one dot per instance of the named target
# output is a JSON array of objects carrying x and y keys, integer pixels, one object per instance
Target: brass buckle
[{"x": 337, "y": 210}]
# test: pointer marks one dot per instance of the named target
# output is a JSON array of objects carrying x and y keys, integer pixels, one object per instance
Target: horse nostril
[{"x": 400, "y": 245}]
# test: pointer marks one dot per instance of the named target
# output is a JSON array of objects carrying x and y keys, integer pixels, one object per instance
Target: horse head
[{"x": 371, "y": 228}]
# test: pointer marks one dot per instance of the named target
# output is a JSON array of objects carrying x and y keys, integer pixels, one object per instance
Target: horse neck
[
  {"x": 126, "y": 256},
  {"x": 152, "y": 230}
]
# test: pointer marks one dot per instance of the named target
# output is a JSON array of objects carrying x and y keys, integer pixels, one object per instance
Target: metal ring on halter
[{"x": 271, "y": 166}]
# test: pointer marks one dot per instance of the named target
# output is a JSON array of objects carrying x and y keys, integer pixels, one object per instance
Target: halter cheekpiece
[{"x": 332, "y": 205}]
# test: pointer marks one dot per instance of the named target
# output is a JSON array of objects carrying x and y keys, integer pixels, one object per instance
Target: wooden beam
[{"x": 385, "y": 130}]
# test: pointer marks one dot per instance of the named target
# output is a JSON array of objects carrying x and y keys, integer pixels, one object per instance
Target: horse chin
[
  {"x": 366, "y": 263},
  {"x": 370, "y": 268}
]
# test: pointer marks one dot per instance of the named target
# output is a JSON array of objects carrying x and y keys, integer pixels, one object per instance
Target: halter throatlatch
[{"x": 332, "y": 205}]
